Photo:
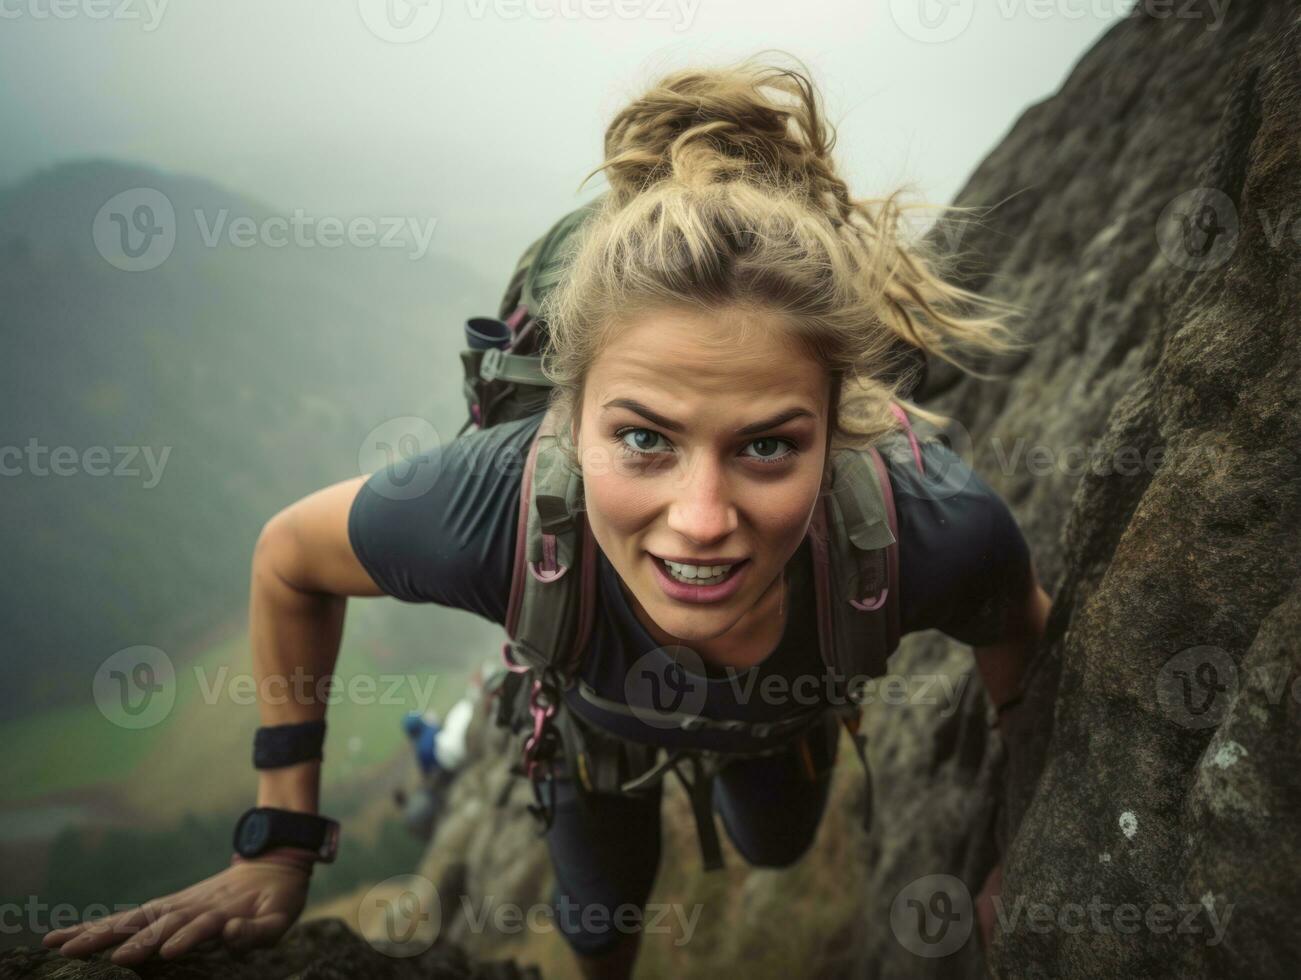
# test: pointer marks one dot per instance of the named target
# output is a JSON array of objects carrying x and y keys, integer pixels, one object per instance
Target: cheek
[
  {"x": 780, "y": 512},
  {"x": 617, "y": 503}
]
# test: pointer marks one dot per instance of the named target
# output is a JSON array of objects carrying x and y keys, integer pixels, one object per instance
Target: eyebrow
[{"x": 746, "y": 430}]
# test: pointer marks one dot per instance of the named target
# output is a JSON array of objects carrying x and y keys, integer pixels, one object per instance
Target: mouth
[{"x": 699, "y": 583}]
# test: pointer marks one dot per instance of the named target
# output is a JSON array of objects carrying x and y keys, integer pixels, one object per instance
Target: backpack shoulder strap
[
  {"x": 854, "y": 541},
  {"x": 553, "y": 586}
]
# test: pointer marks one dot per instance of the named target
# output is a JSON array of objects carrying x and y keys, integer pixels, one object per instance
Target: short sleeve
[
  {"x": 447, "y": 534},
  {"x": 963, "y": 561}
]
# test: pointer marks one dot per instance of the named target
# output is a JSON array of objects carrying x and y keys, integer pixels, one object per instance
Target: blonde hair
[{"x": 723, "y": 195}]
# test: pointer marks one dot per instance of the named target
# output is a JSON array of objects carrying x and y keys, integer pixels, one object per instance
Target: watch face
[{"x": 254, "y": 830}]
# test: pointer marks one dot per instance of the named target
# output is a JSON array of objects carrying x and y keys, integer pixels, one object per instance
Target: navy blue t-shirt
[{"x": 962, "y": 559}]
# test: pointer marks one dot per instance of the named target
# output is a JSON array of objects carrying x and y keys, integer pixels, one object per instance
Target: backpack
[{"x": 853, "y": 540}]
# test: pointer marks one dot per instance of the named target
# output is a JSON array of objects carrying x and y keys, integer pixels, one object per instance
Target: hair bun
[{"x": 748, "y": 121}]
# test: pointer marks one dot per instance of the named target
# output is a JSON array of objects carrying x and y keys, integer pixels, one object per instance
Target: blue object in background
[{"x": 423, "y": 731}]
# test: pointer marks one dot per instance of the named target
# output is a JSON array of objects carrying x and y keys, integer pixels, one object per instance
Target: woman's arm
[
  {"x": 303, "y": 567},
  {"x": 1002, "y": 664},
  {"x": 303, "y": 570}
]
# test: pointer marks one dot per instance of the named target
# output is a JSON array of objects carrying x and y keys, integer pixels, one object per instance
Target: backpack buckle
[
  {"x": 548, "y": 569},
  {"x": 868, "y": 605},
  {"x": 490, "y": 366}
]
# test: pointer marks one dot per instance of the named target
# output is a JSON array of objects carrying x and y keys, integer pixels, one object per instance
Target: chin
[{"x": 690, "y": 626}]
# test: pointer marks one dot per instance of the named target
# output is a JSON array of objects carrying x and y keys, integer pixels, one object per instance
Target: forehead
[{"x": 698, "y": 361}]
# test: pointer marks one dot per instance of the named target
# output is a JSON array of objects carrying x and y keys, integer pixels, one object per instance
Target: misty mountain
[{"x": 196, "y": 395}]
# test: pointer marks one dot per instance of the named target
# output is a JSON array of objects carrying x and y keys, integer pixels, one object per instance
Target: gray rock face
[{"x": 1154, "y": 238}]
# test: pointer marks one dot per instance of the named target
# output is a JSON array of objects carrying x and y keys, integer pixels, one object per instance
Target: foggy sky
[{"x": 489, "y": 120}]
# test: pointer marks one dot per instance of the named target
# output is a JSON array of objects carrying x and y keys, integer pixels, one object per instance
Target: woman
[{"x": 729, "y": 316}]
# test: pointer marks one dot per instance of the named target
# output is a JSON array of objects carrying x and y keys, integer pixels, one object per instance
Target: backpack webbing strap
[
  {"x": 854, "y": 542},
  {"x": 700, "y": 790},
  {"x": 499, "y": 365},
  {"x": 550, "y": 613}
]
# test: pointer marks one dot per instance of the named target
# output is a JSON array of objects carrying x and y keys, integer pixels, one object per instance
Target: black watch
[{"x": 264, "y": 827}]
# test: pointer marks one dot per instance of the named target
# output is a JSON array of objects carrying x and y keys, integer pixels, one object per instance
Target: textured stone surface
[
  {"x": 324, "y": 949},
  {"x": 1118, "y": 790}
]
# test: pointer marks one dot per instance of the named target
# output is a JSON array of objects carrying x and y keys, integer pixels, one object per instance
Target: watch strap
[{"x": 294, "y": 829}]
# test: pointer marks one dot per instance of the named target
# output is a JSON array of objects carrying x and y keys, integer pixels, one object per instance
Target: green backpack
[{"x": 553, "y": 589}]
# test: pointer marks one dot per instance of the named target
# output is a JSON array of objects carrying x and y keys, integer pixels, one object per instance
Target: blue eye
[
  {"x": 776, "y": 444},
  {"x": 643, "y": 447},
  {"x": 643, "y": 443}
]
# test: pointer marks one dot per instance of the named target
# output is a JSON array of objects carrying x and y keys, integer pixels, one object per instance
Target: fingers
[
  {"x": 203, "y": 926},
  {"x": 90, "y": 937},
  {"x": 262, "y": 930},
  {"x": 141, "y": 946}
]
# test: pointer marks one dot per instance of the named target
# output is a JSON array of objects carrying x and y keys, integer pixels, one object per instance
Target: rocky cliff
[{"x": 1156, "y": 237}]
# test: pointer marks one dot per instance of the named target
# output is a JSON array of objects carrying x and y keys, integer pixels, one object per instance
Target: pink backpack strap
[
  {"x": 549, "y": 570},
  {"x": 902, "y": 416},
  {"x": 892, "y": 551}
]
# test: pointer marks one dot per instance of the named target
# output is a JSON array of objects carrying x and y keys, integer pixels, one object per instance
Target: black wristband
[{"x": 276, "y": 746}]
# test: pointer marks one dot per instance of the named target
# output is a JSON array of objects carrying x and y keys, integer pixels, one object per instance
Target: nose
[{"x": 702, "y": 510}]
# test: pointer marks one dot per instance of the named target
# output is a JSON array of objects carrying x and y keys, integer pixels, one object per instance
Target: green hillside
[{"x": 258, "y": 373}]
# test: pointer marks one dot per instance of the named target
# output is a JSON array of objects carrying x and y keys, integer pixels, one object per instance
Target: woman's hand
[{"x": 252, "y": 903}]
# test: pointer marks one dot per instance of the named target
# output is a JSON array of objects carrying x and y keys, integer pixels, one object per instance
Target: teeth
[{"x": 697, "y": 574}]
